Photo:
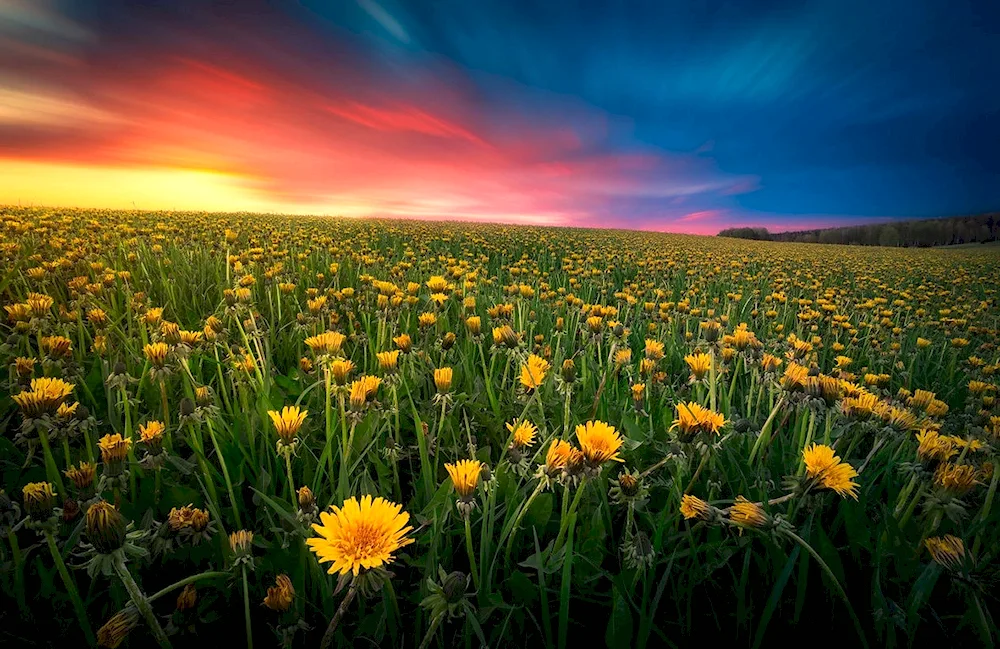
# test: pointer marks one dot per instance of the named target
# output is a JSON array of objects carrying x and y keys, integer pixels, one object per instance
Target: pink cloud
[{"x": 424, "y": 143}]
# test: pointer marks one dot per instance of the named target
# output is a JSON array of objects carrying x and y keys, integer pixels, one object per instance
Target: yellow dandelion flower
[
  {"x": 114, "y": 447},
  {"x": 360, "y": 535},
  {"x": 465, "y": 476},
  {"x": 287, "y": 422},
  {"x": 694, "y": 507},
  {"x": 599, "y": 442},
  {"x": 524, "y": 433},
  {"x": 533, "y": 372},
  {"x": 699, "y": 364},
  {"x": 747, "y": 514}
]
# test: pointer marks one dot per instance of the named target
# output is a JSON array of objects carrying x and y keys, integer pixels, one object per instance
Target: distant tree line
[{"x": 921, "y": 233}]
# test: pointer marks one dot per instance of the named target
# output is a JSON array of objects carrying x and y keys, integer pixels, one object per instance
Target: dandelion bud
[
  {"x": 120, "y": 368},
  {"x": 188, "y": 598},
  {"x": 186, "y": 407},
  {"x": 747, "y": 514},
  {"x": 24, "y": 367},
  {"x": 39, "y": 500},
  {"x": 203, "y": 395},
  {"x": 105, "y": 527},
  {"x": 307, "y": 501},
  {"x": 448, "y": 341},
  {"x": 279, "y": 597},
  {"x": 442, "y": 379},
  {"x": 454, "y": 585},
  {"x": 568, "y": 370},
  {"x": 117, "y": 628},
  {"x": 388, "y": 361},
  {"x": 82, "y": 476},
  {"x": 340, "y": 370},
  {"x": 474, "y": 324},
  {"x": 404, "y": 343},
  {"x": 629, "y": 484},
  {"x": 241, "y": 543},
  {"x": 711, "y": 330}
]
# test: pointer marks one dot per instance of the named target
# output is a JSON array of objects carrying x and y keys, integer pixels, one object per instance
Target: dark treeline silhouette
[{"x": 922, "y": 233}]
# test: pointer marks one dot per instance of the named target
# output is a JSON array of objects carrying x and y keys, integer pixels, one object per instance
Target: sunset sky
[{"x": 680, "y": 116}]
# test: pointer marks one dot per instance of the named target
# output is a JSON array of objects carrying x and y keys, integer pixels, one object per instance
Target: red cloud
[{"x": 421, "y": 144}]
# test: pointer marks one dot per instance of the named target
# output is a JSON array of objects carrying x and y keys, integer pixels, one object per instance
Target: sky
[{"x": 664, "y": 115}]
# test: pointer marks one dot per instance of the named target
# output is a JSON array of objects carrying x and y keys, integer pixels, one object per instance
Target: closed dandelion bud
[
  {"x": 188, "y": 598},
  {"x": 454, "y": 586},
  {"x": 105, "y": 527},
  {"x": 948, "y": 551},
  {"x": 156, "y": 354},
  {"x": 114, "y": 448},
  {"x": 171, "y": 332},
  {"x": 82, "y": 476},
  {"x": 747, "y": 514},
  {"x": 151, "y": 434},
  {"x": 568, "y": 370},
  {"x": 203, "y": 395},
  {"x": 448, "y": 341},
  {"x": 474, "y": 325},
  {"x": 388, "y": 361},
  {"x": 560, "y": 324},
  {"x": 340, "y": 370},
  {"x": 307, "y": 501},
  {"x": 404, "y": 343},
  {"x": 280, "y": 596},
  {"x": 39, "y": 500},
  {"x": 117, "y": 628},
  {"x": 629, "y": 484},
  {"x": 694, "y": 507},
  {"x": 241, "y": 543},
  {"x": 305, "y": 365},
  {"x": 120, "y": 368},
  {"x": 639, "y": 553},
  {"x": 24, "y": 367},
  {"x": 509, "y": 337},
  {"x": 442, "y": 379},
  {"x": 186, "y": 407},
  {"x": 358, "y": 396},
  {"x": 711, "y": 330}
]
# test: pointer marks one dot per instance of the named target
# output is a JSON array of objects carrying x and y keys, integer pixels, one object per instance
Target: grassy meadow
[{"x": 303, "y": 432}]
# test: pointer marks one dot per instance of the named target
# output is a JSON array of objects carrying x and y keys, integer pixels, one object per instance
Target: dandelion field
[{"x": 300, "y": 431}]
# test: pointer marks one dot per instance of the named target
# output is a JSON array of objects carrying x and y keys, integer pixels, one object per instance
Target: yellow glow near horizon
[{"x": 69, "y": 185}]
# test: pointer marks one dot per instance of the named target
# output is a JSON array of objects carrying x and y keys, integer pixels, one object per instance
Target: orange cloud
[{"x": 248, "y": 127}]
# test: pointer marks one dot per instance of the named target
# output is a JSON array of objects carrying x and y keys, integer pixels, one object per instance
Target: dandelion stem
[
  {"x": 472, "y": 553},
  {"x": 225, "y": 473},
  {"x": 246, "y": 609},
  {"x": 327, "y": 641},
  {"x": 74, "y": 594},
  {"x": 141, "y": 603},
  {"x": 435, "y": 623}
]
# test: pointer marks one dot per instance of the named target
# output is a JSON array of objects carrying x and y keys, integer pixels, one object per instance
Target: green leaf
[
  {"x": 618, "y": 634},
  {"x": 540, "y": 511}
]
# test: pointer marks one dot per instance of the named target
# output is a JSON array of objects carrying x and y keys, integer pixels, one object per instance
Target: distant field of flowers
[{"x": 300, "y": 432}]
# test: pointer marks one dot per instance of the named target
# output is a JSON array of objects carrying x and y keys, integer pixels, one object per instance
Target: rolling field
[{"x": 297, "y": 430}]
